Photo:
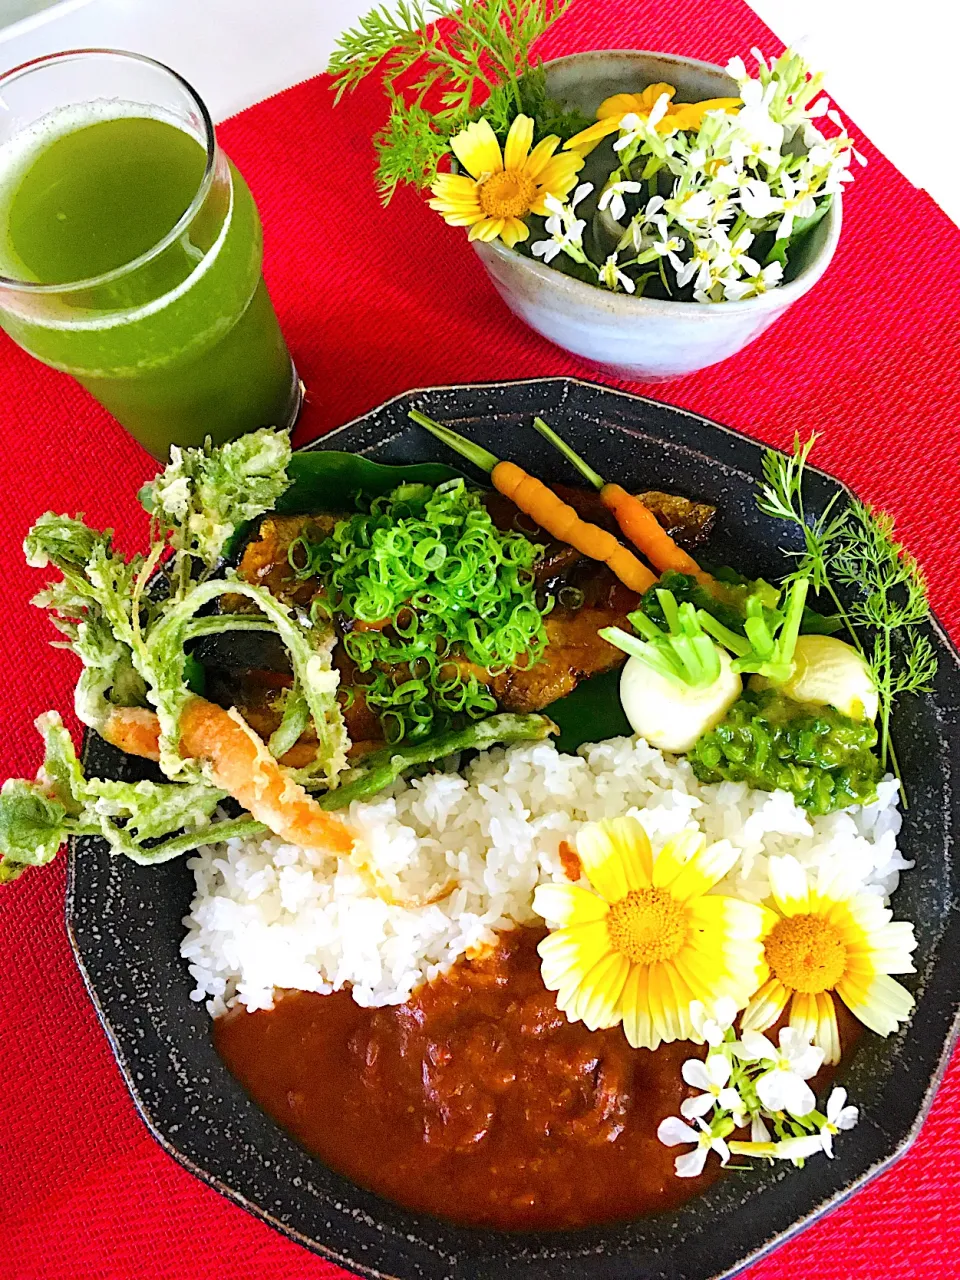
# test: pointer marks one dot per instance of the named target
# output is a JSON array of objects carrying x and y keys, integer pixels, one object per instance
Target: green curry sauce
[{"x": 823, "y": 758}]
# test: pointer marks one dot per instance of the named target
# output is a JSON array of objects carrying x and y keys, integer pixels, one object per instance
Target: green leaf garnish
[
  {"x": 205, "y": 494},
  {"x": 381, "y": 768},
  {"x": 36, "y": 818}
]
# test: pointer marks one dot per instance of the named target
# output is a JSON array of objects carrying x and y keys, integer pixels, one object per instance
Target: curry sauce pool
[{"x": 476, "y": 1101}]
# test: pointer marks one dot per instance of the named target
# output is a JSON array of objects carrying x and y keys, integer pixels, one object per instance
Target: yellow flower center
[
  {"x": 807, "y": 954},
  {"x": 507, "y": 195},
  {"x": 647, "y": 926}
]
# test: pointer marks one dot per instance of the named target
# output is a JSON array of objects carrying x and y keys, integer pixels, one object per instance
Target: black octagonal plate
[{"x": 125, "y": 922}]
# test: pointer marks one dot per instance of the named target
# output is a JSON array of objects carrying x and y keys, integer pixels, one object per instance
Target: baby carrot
[
  {"x": 635, "y": 519},
  {"x": 551, "y": 513}
]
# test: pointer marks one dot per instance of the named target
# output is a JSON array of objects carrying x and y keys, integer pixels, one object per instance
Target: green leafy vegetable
[
  {"x": 205, "y": 494},
  {"x": 823, "y": 758},
  {"x": 328, "y": 480},
  {"x": 591, "y": 713},
  {"x": 36, "y": 818},
  {"x": 92, "y": 606},
  {"x": 383, "y": 767},
  {"x": 423, "y": 576},
  {"x": 854, "y": 547},
  {"x": 133, "y": 638},
  {"x": 479, "y": 62},
  {"x": 780, "y": 250},
  {"x": 295, "y": 718},
  {"x": 141, "y": 819}
]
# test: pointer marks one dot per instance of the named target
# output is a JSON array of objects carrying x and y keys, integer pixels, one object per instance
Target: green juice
[{"x": 178, "y": 346}]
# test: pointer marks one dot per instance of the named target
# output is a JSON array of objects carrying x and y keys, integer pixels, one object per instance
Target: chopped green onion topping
[{"x": 437, "y": 590}]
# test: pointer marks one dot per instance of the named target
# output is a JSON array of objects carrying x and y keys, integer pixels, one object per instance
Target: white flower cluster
[
  {"x": 751, "y": 1081},
  {"x": 765, "y": 171}
]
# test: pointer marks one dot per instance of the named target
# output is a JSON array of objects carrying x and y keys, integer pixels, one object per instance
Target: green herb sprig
[
  {"x": 855, "y": 548},
  {"x": 478, "y": 62}
]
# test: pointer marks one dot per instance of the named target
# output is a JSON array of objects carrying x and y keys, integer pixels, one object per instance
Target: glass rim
[{"x": 10, "y": 283}]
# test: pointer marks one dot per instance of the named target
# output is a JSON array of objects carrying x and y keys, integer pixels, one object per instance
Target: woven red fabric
[{"x": 374, "y": 303}]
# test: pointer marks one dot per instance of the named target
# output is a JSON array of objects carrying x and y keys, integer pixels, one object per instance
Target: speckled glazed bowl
[
  {"x": 642, "y": 338},
  {"x": 125, "y": 921}
]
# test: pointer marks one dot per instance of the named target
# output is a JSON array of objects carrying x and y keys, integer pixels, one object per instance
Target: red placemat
[{"x": 374, "y": 303}]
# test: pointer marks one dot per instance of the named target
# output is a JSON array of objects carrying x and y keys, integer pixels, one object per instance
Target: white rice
[{"x": 269, "y": 915}]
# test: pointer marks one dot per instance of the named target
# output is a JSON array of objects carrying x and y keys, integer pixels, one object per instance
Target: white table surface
[{"x": 892, "y": 67}]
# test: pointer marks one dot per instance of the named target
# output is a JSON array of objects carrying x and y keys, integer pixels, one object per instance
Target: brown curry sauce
[{"x": 477, "y": 1101}]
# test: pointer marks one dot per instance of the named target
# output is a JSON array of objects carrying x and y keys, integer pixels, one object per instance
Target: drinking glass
[{"x": 131, "y": 251}]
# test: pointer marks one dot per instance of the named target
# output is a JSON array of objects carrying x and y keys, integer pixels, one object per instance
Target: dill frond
[
  {"x": 855, "y": 548},
  {"x": 409, "y": 149},
  {"x": 478, "y": 63}
]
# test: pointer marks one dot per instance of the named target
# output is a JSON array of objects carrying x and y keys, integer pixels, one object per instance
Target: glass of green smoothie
[{"x": 131, "y": 251}]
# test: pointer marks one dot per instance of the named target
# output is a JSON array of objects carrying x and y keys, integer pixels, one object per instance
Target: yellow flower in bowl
[
  {"x": 648, "y": 938},
  {"x": 500, "y": 188},
  {"x": 828, "y": 936},
  {"x": 679, "y": 115}
]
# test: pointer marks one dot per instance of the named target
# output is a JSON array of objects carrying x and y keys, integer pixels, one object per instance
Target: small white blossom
[
  {"x": 631, "y": 131},
  {"x": 712, "y": 1025},
  {"x": 612, "y": 197},
  {"x": 667, "y": 246},
  {"x": 760, "y": 137},
  {"x": 611, "y": 275},
  {"x": 753, "y": 285},
  {"x": 737, "y": 69},
  {"x": 758, "y": 1130},
  {"x": 798, "y": 202},
  {"x": 839, "y": 1117},
  {"x": 713, "y": 1077},
  {"x": 634, "y": 128},
  {"x": 672, "y": 1132},
  {"x": 563, "y": 226},
  {"x": 757, "y": 200},
  {"x": 783, "y": 1087},
  {"x": 733, "y": 253},
  {"x": 692, "y": 209},
  {"x": 795, "y": 1149},
  {"x": 701, "y": 267}
]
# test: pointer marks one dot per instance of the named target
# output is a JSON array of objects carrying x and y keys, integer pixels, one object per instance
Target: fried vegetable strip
[
  {"x": 383, "y": 767},
  {"x": 239, "y": 763}
]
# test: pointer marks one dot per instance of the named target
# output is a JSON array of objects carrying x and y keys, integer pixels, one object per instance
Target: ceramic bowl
[{"x": 643, "y": 339}]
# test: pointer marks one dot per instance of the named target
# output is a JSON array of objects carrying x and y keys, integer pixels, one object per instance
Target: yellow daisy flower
[
  {"x": 649, "y": 938},
  {"x": 829, "y": 936},
  {"x": 679, "y": 115},
  {"x": 499, "y": 189}
]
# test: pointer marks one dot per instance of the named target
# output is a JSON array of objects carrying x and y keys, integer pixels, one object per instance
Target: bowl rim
[{"x": 578, "y": 291}]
